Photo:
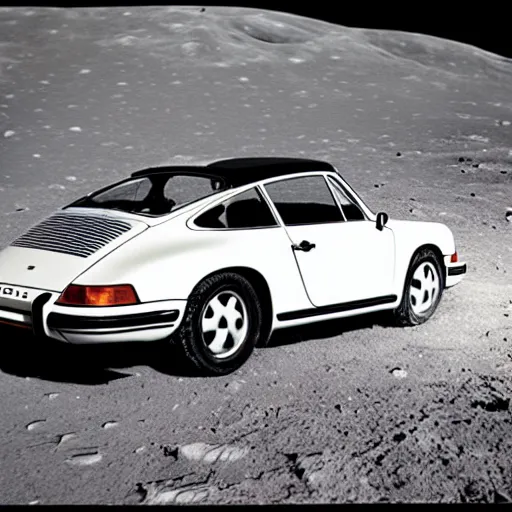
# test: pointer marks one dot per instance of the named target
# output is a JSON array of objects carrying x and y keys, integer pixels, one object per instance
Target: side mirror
[{"x": 382, "y": 219}]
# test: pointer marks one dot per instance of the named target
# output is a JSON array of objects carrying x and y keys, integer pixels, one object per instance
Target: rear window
[{"x": 154, "y": 195}]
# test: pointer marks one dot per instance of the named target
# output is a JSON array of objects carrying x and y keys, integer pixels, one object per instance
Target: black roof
[{"x": 242, "y": 171}]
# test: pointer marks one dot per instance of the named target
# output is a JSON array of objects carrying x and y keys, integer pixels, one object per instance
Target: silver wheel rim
[
  {"x": 424, "y": 288},
  {"x": 224, "y": 324}
]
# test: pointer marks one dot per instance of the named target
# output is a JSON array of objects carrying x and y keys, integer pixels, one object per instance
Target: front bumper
[
  {"x": 455, "y": 272},
  {"x": 150, "y": 321}
]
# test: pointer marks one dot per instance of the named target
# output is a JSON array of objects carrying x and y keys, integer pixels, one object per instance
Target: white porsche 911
[{"x": 215, "y": 258}]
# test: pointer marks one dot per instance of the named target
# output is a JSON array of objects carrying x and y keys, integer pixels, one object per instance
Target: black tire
[
  {"x": 190, "y": 337},
  {"x": 405, "y": 315}
]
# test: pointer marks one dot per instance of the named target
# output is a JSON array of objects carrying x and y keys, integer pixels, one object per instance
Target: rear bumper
[
  {"x": 66, "y": 322},
  {"x": 151, "y": 321},
  {"x": 455, "y": 272},
  {"x": 16, "y": 319}
]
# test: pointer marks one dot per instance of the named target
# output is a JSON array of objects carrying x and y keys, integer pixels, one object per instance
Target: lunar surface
[{"x": 351, "y": 411}]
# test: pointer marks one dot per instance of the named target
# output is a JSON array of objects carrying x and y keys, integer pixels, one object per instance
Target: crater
[{"x": 271, "y": 32}]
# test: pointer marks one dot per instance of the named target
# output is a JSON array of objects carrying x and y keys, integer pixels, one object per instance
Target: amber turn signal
[{"x": 115, "y": 295}]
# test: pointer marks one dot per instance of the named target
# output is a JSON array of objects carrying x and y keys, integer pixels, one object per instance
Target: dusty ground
[{"x": 342, "y": 412}]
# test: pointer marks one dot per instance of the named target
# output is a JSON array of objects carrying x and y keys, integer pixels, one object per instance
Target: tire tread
[
  {"x": 403, "y": 315},
  {"x": 186, "y": 336}
]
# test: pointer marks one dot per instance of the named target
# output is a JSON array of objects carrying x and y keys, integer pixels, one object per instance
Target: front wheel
[
  {"x": 222, "y": 324},
  {"x": 424, "y": 285}
]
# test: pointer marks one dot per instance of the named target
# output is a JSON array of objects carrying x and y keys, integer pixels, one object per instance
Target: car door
[{"x": 341, "y": 255}]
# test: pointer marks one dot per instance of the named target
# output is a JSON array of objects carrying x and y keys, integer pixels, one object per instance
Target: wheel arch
[
  {"x": 436, "y": 250},
  {"x": 403, "y": 315},
  {"x": 262, "y": 289}
]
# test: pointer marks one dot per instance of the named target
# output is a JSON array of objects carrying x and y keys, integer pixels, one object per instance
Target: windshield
[{"x": 154, "y": 195}]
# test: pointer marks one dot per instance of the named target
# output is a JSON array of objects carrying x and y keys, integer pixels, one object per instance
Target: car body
[{"x": 132, "y": 261}]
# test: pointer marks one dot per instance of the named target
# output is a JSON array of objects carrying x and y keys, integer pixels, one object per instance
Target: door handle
[{"x": 303, "y": 246}]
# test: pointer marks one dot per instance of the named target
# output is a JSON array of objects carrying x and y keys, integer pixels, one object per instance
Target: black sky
[{"x": 483, "y": 24}]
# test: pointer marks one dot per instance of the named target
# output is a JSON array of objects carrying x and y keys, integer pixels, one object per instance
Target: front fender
[{"x": 410, "y": 236}]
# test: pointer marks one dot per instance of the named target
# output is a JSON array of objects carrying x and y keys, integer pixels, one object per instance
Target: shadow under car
[{"x": 26, "y": 355}]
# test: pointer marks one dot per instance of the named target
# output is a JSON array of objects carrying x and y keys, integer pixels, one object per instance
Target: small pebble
[
  {"x": 35, "y": 424},
  {"x": 399, "y": 373},
  {"x": 66, "y": 437},
  {"x": 85, "y": 459},
  {"x": 233, "y": 386},
  {"x": 109, "y": 424}
]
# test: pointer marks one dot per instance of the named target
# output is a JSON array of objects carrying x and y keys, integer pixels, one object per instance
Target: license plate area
[
  {"x": 17, "y": 298},
  {"x": 8, "y": 291}
]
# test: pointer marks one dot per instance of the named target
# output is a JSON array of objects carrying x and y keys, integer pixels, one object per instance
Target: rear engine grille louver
[{"x": 69, "y": 233}]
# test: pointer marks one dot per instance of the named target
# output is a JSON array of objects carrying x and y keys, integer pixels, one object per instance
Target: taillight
[
  {"x": 454, "y": 257},
  {"x": 115, "y": 295}
]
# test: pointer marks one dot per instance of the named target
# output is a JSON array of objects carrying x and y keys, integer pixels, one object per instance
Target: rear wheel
[
  {"x": 222, "y": 324},
  {"x": 424, "y": 285}
]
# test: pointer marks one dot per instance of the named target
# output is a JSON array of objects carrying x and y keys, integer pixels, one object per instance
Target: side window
[
  {"x": 350, "y": 210},
  {"x": 245, "y": 210},
  {"x": 305, "y": 200}
]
